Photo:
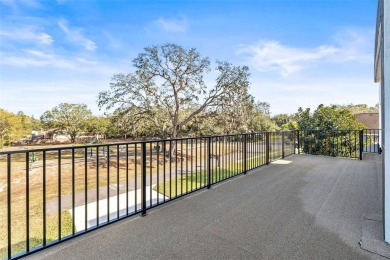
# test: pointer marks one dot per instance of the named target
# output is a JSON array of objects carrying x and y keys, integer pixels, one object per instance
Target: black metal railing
[
  {"x": 339, "y": 143},
  {"x": 50, "y": 195},
  {"x": 370, "y": 140}
]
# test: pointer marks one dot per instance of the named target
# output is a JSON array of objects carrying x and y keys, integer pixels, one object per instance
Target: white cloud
[
  {"x": 112, "y": 42},
  {"x": 27, "y": 33},
  {"x": 75, "y": 35},
  {"x": 273, "y": 56},
  {"x": 285, "y": 95},
  {"x": 172, "y": 25},
  {"x": 36, "y": 58},
  {"x": 357, "y": 44},
  {"x": 349, "y": 45}
]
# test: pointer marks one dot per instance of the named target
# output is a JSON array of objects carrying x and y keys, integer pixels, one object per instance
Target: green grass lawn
[
  {"x": 51, "y": 235},
  {"x": 185, "y": 184}
]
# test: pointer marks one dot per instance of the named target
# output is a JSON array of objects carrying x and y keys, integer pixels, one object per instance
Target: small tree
[
  {"x": 69, "y": 119},
  {"x": 326, "y": 122},
  {"x": 282, "y": 119},
  {"x": 97, "y": 126},
  {"x": 15, "y": 126},
  {"x": 168, "y": 88}
]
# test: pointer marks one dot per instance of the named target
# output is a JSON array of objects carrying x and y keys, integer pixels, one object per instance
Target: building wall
[
  {"x": 382, "y": 75},
  {"x": 385, "y": 81}
]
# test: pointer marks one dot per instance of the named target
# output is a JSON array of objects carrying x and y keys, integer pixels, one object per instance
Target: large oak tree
[{"x": 168, "y": 82}]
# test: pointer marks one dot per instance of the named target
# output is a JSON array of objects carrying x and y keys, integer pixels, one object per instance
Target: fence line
[{"x": 55, "y": 194}]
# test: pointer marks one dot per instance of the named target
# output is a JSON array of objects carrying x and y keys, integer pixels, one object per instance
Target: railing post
[
  {"x": 208, "y": 162},
  {"x": 293, "y": 137},
  {"x": 9, "y": 223},
  {"x": 360, "y": 144},
  {"x": 267, "y": 143},
  {"x": 298, "y": 142},
  {"x": 244, "y": 153},
  {"x": 378, "y": 144},
  {"x": 282, "y": 144},
  {"x": 143, "y": 178}
]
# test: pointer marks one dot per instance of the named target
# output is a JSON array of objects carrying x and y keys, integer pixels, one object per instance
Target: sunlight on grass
[
  {"x": 37, "y": 240},
  {"x": 193, "y": 182}
]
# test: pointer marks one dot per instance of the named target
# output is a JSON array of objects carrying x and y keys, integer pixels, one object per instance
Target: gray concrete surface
[
  {"x": 304, "y": 207},
  {"x": 372, "y": 236}
]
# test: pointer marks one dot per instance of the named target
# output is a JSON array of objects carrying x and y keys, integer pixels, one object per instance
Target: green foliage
[
  {"x": 15, "y": 126},
  {"x": 327, "y": 118},
  {"x": 282, "y": 119},
  {"x": 260, "y": 118},
  {"x": 290, "y": 126},
  {"x": 326, "y": 131},
  {"x": 338, "y": 143},
  {"x": 167, "y": 92},
  {"x": 241, "y": 114},
  {"x": 69, "y": 119},
  {"x": 98, "y": 125}
]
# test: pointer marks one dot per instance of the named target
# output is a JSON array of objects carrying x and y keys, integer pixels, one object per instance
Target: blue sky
[{"x": 300, "y": 53}]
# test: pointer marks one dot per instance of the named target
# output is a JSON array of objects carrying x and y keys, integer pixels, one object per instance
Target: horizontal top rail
[
  {"x": 132, "y": 142},
  {"x": 336, "y": 130}
]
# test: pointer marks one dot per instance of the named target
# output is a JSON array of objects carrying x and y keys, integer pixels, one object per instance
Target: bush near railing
[
  {"x": 339, "y": 143},
  {"x": 336, "y": 143}
]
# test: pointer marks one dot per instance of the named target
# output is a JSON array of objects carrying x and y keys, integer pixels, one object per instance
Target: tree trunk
[
  {"x": 173, "y": 147},
  {"x": 72, "y": 138}
]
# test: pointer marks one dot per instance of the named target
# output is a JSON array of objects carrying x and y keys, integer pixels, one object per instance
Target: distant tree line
[{"x": 74, "y": 120}]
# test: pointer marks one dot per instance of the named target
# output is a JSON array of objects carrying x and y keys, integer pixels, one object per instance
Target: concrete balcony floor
[{"x": 303, "y": 207}]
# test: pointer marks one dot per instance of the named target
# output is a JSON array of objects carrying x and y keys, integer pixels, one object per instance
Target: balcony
[
  {"x": 302, "y": 207},
  {"x": 296, "y": 206}
]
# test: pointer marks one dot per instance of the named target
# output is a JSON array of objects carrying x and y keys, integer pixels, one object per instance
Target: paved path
[
  {"x": 91, "y": 220},
  {"x": 304, "y": 207},
  {"x": 188, "y": 168}
]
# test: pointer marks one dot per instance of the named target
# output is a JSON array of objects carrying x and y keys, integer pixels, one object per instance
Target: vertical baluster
[
  {"x": 196, "y": 162},
  {"x": 135, "y": 177},
  {"x": 97, "y": 186},
  {"x": 117, "y": 181},
  {"x": 44, "y": 197},
  {"x": 28, "y": 201},
  {"x": 150, "y": 172},
  {"x": 127, "y": 180},
  {"x": 170, "y": 169},
  {"x": 108, "y": 183},
  {"x": 73, "y": 194},
  {"x": 158, "y": 172},
  {"x": 86, "y": 188},
  {"x": 164, "y": 167},
  {"x": 143, "y": 179},
  {"x": 9, "y": 207}
]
